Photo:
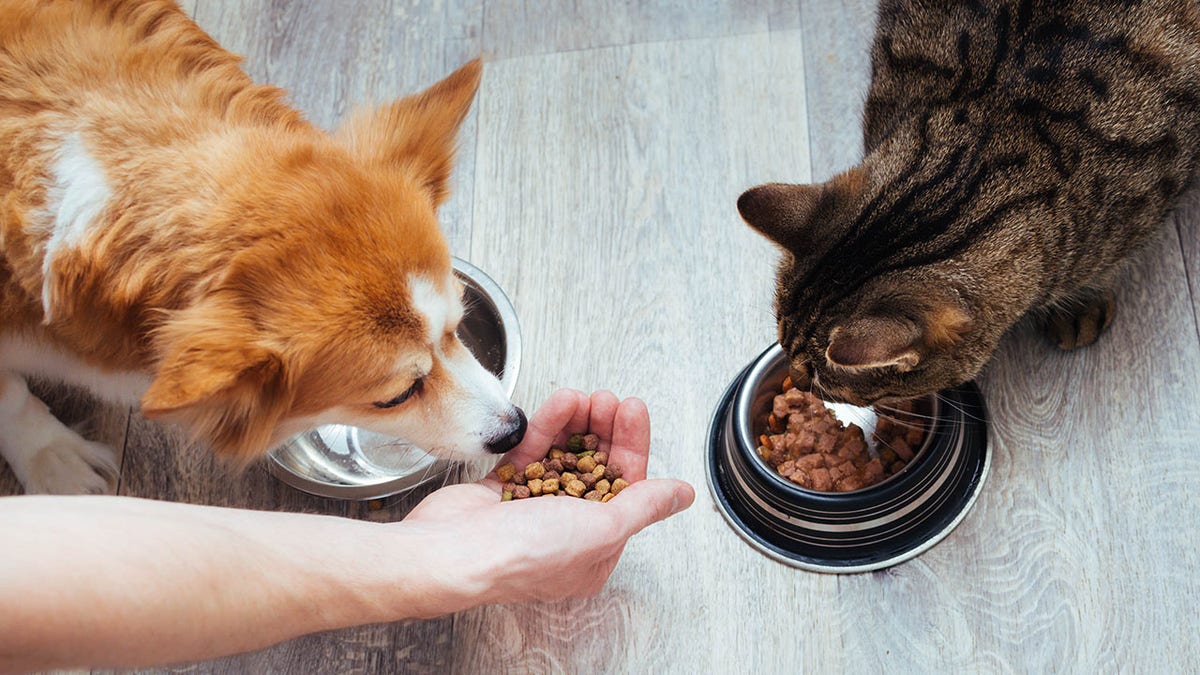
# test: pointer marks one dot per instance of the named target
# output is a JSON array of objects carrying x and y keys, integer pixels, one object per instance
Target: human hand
[{"x": 549, "y": 548}]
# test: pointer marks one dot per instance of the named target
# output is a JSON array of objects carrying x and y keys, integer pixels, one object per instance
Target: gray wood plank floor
[{"x": 597, "y": 181}]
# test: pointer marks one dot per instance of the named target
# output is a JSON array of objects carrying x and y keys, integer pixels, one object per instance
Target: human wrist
[{"x": 428, "y": 571}]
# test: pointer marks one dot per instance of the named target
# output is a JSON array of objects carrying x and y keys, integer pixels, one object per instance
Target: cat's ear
[
  {"x": 891, "y": 341},
  {"x": 875, "y": 342},
  {"x": 789, "y": 214}
]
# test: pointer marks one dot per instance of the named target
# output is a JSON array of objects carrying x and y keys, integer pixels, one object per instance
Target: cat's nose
[{"x": 801, "y": 376}]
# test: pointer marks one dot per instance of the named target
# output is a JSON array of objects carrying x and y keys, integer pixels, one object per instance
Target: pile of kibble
[
  {"x": 806, "y": 444},
  {"x": 579, "y": 470}
]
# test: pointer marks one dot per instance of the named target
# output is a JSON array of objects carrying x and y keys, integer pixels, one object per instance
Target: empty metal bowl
[
  {"x": 872, "y": 528},
  {"x": 346, "y": 462}
]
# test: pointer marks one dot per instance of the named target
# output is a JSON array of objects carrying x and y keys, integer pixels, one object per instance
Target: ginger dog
[{"x": 173, "y": 235}]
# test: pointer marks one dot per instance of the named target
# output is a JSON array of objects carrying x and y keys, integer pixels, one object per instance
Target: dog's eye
[{"x": 416, "y": 387}]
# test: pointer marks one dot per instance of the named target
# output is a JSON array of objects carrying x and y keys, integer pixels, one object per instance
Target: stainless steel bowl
[
  {"x": 866, "y": 529},
  {"x": 346, "y": 462}
]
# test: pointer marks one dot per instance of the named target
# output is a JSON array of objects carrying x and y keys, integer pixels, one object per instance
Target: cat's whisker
[
  {"x": 899, "y": 411},
  {"x": 903, "y": 423},
  {"x": 959, "y": 408}
]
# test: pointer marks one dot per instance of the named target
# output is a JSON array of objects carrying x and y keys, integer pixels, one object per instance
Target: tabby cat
[{"x": 1016, "y": 153}]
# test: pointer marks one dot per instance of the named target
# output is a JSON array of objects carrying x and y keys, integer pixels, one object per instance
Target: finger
[
  {"x": 545, "y": 426},
  {"x": 579, "y": 421},
  {"x": 630, "y": 448},
  {"x": 603, "y": 409},
  {"x": 649, "y": 501}
]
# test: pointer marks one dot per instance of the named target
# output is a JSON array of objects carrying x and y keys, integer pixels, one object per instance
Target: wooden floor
[{"x": 597, "y": 185}]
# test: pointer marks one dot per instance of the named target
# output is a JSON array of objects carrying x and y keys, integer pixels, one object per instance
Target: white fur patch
[
  {"x": 38, "y": 359},
  {"x": 459, "y": 419},
  {"x": 437, "y": 307},
  {"x": 75, "y": 198}
]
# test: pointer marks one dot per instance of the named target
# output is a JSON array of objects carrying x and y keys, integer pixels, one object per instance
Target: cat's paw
[
  {"x": 1080, "y": 322},
  {"x": 71, "y": 465}
]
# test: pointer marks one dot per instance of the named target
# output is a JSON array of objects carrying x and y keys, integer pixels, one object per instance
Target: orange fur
[
  {"x": 945, "y": 325},
  {"x": 253, "y": 265}
]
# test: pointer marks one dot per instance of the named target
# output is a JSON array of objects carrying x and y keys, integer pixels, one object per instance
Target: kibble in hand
[{"x": 580, "y": 470}]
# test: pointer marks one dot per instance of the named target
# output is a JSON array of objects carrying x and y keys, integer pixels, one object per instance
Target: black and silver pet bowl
[
  {"x": 866, "y": 529},
  {"x": 346, "y": 462}
]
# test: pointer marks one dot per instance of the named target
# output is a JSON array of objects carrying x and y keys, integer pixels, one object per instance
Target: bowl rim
[
  {"x": 721, "y": 425},
  {"x": 499, "y": 302}
]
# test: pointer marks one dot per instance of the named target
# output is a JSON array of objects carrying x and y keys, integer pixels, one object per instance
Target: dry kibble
[
  {"x": 576, "y": 488},
  {"x": 580, "y": 470},
  {"x": 535, "y": 470},
  {"x": 505, "y": 472}
]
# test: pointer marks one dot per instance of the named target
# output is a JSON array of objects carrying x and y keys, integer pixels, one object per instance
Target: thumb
[{"x": 648, "y": 501}]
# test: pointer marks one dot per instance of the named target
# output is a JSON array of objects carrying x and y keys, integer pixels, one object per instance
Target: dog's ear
[
  {"x": 417, "y": 133},
  {"x": 216, "y": 380}
]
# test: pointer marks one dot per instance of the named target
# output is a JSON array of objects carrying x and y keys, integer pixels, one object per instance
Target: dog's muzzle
[{"x": 510, "y": 440}]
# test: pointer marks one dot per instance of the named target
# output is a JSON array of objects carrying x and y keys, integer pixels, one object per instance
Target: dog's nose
[{"x": 510, "y": 440}]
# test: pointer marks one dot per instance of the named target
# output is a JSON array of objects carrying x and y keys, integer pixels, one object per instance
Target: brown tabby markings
[{"x": 1016, "y": 153}]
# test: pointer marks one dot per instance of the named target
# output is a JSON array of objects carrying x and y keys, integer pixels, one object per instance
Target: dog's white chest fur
[
  {"x": 76, "y": 196},
  {"x": 38, "y": 359}
]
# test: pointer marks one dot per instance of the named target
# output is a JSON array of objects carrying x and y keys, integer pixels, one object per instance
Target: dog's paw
[
  {"x": 72, "y": 465},
  {"x": 1079, "y": 323}
]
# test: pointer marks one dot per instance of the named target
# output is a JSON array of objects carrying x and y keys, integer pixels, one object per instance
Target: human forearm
[{"x": 116, "y": 581}]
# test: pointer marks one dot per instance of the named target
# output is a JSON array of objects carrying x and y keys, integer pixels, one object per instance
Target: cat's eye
[{"x": 415, "y": 389}]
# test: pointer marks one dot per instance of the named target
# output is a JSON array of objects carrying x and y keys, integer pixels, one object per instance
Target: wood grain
[
  {"x": 837, "y": 41},
  {"x": 631, "y": 271},
  {"x": 596, "y": 184},
  {"x": 527, "y": 27},
  {"x": 1187, "y": 225}
]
